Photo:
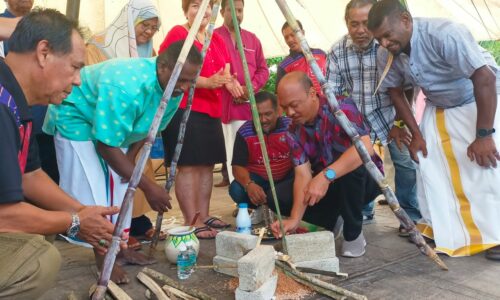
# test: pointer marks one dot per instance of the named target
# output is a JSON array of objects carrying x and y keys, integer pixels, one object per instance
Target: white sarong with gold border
[{"x": 459, "y": 200}]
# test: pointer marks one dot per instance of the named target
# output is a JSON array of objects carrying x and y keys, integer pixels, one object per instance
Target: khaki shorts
[{"x": 29, "y": 265}]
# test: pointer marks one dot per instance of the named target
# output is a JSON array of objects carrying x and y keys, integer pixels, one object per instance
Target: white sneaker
[{"x": 355, "y": 248}]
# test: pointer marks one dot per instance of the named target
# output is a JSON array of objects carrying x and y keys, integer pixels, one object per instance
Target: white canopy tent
[{"x": 323, "y": 20}]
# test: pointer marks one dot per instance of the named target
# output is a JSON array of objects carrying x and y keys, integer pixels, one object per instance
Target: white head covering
[{"x": 118, "y": 39}]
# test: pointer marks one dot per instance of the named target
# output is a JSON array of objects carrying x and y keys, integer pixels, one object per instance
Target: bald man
[{"x": 330, "y": 180}]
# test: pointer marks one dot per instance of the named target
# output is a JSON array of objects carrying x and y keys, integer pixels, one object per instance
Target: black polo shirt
[{"x": 10, "y": 139}]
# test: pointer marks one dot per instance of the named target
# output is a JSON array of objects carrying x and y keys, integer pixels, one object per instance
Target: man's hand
[
  {"x": 316, "y": 189},
  {"x": 234, "y": 88},
  {"x": 158, "y": 198},
  {"x": 417, "y": 144},
  {"x": 244, "y": 98},
  {"x": 256, "y": 194},
  {"x": 94, "y": 226},
  {"x": 484, "y": 152},
  {"x": 289, "y": 225},
  {"x": 401, "y": 136}
]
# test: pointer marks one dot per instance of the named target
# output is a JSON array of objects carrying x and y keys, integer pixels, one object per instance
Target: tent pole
[{"x": 73, "y": 9}]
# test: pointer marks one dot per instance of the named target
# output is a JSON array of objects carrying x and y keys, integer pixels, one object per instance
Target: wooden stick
[
  {"x": 178, "y": 294},
  {"x": 319, "y": 286},
  {"x": 256, "y": 122},
  {"x": 168, "y": 281},
  {"x": 183, "y": 125},
  {"x": 113, "y": 292},
  {"x": 126, "y": 208},
  {"x": 117, "y": 292},
  {"x": 400, "y": 213},
  {"x": 153, "y": 286}
]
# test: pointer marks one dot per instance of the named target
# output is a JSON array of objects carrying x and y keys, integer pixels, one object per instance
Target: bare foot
[
  {"x": 205, "y": 232},
  {"x": 118, "y": 275},
  {"x": 132, "y": 257}
]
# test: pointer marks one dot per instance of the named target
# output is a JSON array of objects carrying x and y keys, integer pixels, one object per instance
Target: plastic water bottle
[
  {"x": 192, "y": 256},
  {"x": 184, "y": 263},
  {"x": 243, "y": 222}
]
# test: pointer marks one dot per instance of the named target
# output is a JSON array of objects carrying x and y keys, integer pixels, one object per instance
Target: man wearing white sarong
[{"x": 456, "y": 146}]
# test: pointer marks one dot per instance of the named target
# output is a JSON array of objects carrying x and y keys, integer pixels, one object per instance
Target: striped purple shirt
[{"x": 323, "y": 142}]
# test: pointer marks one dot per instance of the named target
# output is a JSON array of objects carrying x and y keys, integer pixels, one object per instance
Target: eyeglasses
[{"x": 146, "y": 27}]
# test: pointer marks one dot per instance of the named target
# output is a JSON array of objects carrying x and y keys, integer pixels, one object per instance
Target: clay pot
[{"x": 177, "y": 236}]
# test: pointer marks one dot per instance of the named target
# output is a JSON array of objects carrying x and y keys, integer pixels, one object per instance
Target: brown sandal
[
  {"x": 148, "y": 235},
  {"x": 133, "y": 243}
]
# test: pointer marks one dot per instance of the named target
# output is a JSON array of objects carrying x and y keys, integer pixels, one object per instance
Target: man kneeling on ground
[
  {"x": 329, "y": 179},
  {"x": 251, "y": 181}
]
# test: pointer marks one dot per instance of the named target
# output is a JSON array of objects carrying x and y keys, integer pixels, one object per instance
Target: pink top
[
  {"x": 207, "y": 101},
  {"x": 257, "y": 67}
]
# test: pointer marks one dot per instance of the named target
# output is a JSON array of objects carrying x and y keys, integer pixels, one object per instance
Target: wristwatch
[
  {"x": 74, "y": 228},
  {"x": 482, "y": 132},
  {"x": 330, "y": 174},
  {"x": 399, "y": 123}
]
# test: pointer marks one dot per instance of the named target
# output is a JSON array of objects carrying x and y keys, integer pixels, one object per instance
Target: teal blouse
[{"x": 115, "y": 104}]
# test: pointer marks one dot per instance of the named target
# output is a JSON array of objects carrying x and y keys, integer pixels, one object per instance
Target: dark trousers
[
  {"x": 47, "y": 152},
  {"x": 239, "y": 195},
  {"x": 346, "y": 197}
]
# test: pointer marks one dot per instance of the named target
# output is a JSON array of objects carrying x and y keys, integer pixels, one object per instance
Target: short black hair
[
  {"x": 223, "y": 4},
  {"x": 263, "y": 96},
  {"x": 171, "y": 54},
  {"x": 383, "y": 9},
  {"x": 357, "y": 4},
  {"x": 44, "y": 24},
  {"x": 286, "y": 25}
]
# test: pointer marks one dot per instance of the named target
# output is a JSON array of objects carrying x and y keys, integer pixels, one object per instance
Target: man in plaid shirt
[{"x": 352, "y": 70}]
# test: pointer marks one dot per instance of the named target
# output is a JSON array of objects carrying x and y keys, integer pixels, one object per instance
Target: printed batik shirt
[{"x": 324, "y": 141}]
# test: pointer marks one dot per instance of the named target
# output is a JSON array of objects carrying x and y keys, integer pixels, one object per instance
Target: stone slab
[
  {"x": 265, "y": 292},
  {"x": 234, "y": 245},
  {"x": 255, "y": 268},
  {"x": 226, "y": 265},
  {"x": 311, "y": 246},
  {"x": 327, "y": 264}
]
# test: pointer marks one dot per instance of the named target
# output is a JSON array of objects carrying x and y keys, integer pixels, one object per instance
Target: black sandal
[
  {"x": 203, "y": 229},
  {"x": 211, "y": 222}
]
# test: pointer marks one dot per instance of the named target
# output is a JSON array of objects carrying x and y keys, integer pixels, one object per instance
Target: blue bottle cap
[{"x": 243, "y": 205}]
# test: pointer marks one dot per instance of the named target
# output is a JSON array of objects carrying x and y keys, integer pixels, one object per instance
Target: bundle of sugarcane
[
  {"x": 183, "y": 125},
  {"x": 400, "y": 213},
  {"x": 126, "y": 208}
]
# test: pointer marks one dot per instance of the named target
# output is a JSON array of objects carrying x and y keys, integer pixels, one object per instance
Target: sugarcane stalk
[
  {"x": 256, "y": 122},
  {"x": 170, "y": 282},
  {"x": 183, "y": 125},
  {"x": 126, "y": 208},
  {"x": 319, "y": 286},
  {"x": 400, "y": 213}
]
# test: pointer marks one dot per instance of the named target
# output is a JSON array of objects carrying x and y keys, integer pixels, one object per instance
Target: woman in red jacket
[{"x": 204, "y": 142}]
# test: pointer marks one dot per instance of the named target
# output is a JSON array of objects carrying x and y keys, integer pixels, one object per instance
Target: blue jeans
[
  {"x": 405, "y": 180},
  {"x": 239, "y": 195}
]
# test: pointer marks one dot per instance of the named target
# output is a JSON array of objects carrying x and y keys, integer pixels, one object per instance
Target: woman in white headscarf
[{"x": 130, "y": 35}]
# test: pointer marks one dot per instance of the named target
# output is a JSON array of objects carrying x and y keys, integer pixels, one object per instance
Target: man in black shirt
[{"x": 46, "y": 55}]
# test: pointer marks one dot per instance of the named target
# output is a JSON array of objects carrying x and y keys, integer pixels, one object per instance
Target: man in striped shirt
[
  {"x": 352, "y": 71},
  {"x": 296, "y": 61},
  {"x": 251, "y": 181}
]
